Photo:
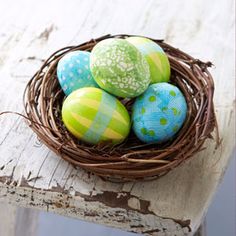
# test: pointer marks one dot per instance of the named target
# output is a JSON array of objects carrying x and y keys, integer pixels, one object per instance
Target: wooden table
[{"x": 32, "y": 176}]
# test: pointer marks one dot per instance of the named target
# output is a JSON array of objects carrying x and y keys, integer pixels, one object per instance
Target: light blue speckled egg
[
  {"x": 159, "y": 113},
  {"x": 73, "y": 71}
]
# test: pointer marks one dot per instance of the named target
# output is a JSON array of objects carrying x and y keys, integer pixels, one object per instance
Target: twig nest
[
  {"x": 119, "y": 68},
  {"x": 129, "y": 158}
]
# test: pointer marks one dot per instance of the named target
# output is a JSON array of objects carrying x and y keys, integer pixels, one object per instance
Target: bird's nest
[{"x": 131, "y": 159}]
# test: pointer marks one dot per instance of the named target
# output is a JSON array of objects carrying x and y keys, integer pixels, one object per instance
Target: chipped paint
[{"x": 32, "y": 176}]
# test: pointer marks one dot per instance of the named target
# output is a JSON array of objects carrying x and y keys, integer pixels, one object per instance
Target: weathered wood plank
[{"x": 32, "y": 176}]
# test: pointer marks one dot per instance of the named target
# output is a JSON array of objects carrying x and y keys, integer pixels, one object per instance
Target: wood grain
[{"x": 32, "y": 176}]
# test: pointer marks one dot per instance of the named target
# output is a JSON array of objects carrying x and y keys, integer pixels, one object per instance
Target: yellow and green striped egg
[
  {"x": 157, "y": 59},
  {"x": 94, "y": 116}
]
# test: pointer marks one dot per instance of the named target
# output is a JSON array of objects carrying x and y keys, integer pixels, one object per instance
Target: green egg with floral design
[{"x": 119, "y": 68}]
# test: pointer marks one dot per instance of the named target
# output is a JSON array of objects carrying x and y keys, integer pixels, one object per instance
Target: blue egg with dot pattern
[
  {"x": 73, "y": 71},
  {"x": 159, "y": 113}
]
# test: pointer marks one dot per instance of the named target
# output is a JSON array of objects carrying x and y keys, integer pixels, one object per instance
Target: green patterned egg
[
  {"x": 94, "y": 116},
  {"x": 119, "y": 68},
  {"x": 155, "y": 56}
]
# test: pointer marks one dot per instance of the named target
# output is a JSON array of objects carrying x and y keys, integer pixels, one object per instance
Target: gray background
[{"x": 221, "y": 217}]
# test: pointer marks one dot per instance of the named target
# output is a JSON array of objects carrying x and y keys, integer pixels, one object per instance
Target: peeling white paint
[{"x": 32, "y": 176}]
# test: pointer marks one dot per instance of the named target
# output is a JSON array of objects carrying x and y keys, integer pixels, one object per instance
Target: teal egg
[
  {"x": 159, "y": 113},
  {"x": 73, "y": 71}
]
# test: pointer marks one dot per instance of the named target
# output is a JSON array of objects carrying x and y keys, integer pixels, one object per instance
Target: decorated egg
[
  {"x": 159, "y": 113},
  {"x": 73, "y": 71},
  {"x": 119, "y": 68},
  {"x": 94, "y": 116},
  {"x": 157, "y": 59}
]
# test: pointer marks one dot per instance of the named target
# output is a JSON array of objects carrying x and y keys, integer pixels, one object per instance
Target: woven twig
[{"x": 132, "y": 159}]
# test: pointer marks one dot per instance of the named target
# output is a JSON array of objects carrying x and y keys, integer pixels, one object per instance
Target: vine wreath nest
[{"x": 131, "y": 159}]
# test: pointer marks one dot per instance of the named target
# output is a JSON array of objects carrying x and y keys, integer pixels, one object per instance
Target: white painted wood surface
[{"x": 32, "y": 176}]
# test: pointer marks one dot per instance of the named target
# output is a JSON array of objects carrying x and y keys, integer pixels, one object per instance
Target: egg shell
[
  {"x": 73, "y": 71},
  {"x": 119, "y": 68},
  {"x": 159, "y": 113},
  {"x": 94, "y": 116},
  {"x": 155, "y": 56}
]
